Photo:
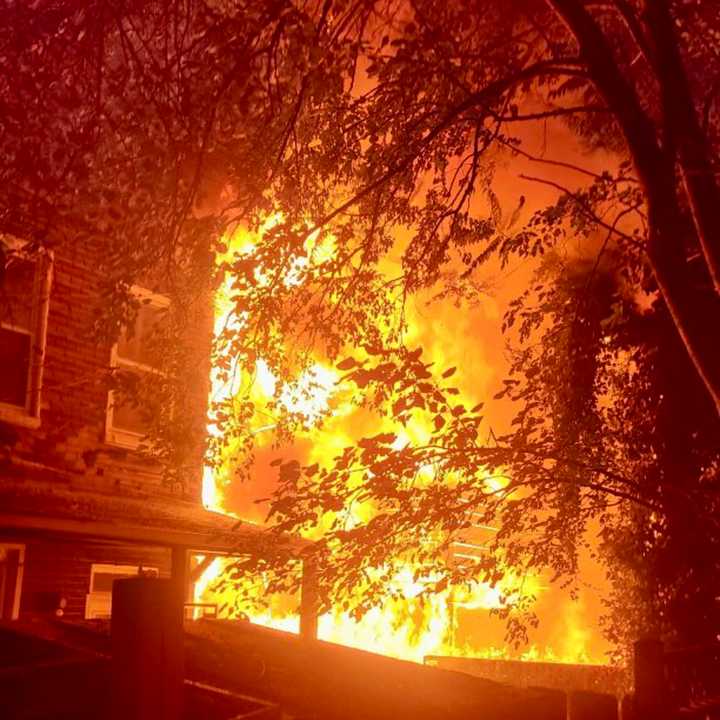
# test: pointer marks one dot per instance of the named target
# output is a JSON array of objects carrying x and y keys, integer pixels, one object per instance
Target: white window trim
[
  {"x": 29, "y": 415},
  {"x": 99, "y": 604},
  {"x": 18, "y": 586},
  {"x": 114, "y": 436}
]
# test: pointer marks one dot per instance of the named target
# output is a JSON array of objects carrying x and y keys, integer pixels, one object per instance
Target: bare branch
[{"x": 587, "y": 210}]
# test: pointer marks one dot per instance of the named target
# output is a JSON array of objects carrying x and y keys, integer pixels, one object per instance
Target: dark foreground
[{"x": 53, "y": 670}]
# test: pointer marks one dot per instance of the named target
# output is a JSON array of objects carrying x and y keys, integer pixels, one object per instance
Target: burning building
[
  {"x": 306, "y": 113},
  {"x": 81, "y": 507}
]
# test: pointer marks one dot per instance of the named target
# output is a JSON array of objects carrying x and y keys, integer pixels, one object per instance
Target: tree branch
[
  {"x": 690, "y": 309},
  {"x": 686, "y": 136},
  {"x": 587, "y": 210},
  {"x": 479, "y": 98},
  {"x": 557, "y": 163},
  {"x": 557, "y": 112}
]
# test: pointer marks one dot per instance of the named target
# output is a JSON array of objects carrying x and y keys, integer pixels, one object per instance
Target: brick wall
[
  {"x": 63, "y": 569},
  {"x": 71, "y": 438}
]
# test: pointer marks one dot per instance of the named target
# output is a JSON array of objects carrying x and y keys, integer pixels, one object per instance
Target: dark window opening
[
  {"x": 14, "y": 366},
  {"x": 17, "y": 292}
]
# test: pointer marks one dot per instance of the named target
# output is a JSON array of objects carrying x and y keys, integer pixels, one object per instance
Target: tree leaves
[
  {"x": 346, "y": 364},
  {"x": 150, "y": 166}
]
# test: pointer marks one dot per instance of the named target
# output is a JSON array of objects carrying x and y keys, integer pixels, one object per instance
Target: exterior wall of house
[
  {"x": 69, "y": 444},
  {"x": 71, "y": 438},
  {"x": 62, "y": 569}
]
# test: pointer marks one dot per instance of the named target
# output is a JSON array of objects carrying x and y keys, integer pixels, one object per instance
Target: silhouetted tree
[{"x": 152, "y": 127}]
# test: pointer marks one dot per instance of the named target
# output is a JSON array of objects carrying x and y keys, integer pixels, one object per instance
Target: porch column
[
  {"x": 309, "y": 600},
  {"x": 180, "y": 572}
]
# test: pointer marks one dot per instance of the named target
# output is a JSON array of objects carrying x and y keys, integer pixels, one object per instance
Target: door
[{"x": 11, "y": 566}]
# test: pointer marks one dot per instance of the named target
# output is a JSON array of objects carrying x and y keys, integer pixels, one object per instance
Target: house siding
[
  {"x": 69, "y": 446},
  {"x": 71, "y": 436},
  {"x": 54, "y": 570}
]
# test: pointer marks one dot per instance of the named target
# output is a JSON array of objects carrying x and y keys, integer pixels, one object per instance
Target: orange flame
[{"x": 407, "y": 627}]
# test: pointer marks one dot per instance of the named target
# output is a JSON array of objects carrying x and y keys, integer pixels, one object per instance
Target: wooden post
[
  {"x": 309, "y": 600},
  {"x": 147, "y": 650},
  {"x": 180, "y": 572},
  {"x": 650, "y": 688},
  {"x": 10, "y": 584}
]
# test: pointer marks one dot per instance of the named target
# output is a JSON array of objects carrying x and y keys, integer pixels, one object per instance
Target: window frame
[
  {"x": 29, "y": 415},
  {"x": 119, "y": 437},
  {"x": 15, "y": 610}
]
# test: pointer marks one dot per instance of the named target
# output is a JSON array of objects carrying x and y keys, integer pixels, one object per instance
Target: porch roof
[{"x": 166, "y": 521}]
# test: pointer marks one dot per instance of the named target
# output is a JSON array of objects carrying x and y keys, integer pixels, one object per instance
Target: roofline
[{"x": 227, "y": 542}]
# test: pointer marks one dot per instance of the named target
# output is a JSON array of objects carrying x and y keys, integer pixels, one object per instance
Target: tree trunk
[
  {"x": 686, "y": 137},
  {"x": 695, "y": 310}
]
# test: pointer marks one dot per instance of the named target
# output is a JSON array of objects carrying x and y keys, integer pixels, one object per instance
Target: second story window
[
  {"x": 24, "y": 297},
  {"x": 135, "y": 359}
]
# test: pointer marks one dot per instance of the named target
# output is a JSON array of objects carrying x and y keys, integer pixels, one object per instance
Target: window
[
  {"x": 134, "y": 355},
  {"x": 24, "y": 299},
  {"x": 98, "y": 602},
  {"x": 11, "y": 572}
]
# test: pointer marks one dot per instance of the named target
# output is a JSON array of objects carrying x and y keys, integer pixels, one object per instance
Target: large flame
[{"x": 453, "y": 622}]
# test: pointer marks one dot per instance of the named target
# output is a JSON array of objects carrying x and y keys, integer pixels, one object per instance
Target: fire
[{"x": 407, "y": 626}]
